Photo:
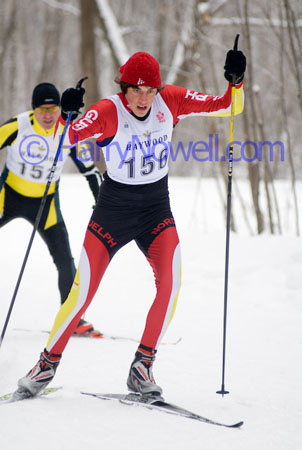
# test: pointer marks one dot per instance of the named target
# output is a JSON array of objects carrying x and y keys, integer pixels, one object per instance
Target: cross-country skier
[
  {"x": 31, "y": 147},
  {"x": 135, "y": 128}
]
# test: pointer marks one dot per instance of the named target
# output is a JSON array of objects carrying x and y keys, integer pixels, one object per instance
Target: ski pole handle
[
  {"x": 235, "y": 50},
  {"x": 81, "y": 81},
  {"x": 236, "y": 42}
]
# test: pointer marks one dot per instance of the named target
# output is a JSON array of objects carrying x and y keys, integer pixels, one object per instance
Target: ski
[
  {"x": 103, "y": 336},
  {"x": 23, "y": 394},
  {"x": 159, "y": 404}
]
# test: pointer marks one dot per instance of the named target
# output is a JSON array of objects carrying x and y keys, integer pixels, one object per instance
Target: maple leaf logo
[{"x": 161, "y": 117}]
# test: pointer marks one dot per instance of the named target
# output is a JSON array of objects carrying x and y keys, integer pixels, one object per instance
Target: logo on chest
[{"x": 161, "y": 117}]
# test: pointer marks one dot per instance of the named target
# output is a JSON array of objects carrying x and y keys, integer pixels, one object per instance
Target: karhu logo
[{"x": 140, "y": 81}]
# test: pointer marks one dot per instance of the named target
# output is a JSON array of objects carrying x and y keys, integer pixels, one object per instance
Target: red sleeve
[
  {"x": 183, "y": 103},
  {"x": 99, "y": 122}
]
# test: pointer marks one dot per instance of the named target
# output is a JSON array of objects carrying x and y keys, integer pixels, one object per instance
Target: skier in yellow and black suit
[{"x": 31, "y": 145}]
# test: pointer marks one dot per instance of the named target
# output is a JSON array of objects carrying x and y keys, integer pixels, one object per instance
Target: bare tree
[
  {"x": 88, "y": 51},
  {"x": 285, "y": 121},
  {"x": 74, "y": 38}
]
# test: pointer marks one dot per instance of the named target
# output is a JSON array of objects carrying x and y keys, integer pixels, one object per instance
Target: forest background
[{"x": 62, "y": 41}]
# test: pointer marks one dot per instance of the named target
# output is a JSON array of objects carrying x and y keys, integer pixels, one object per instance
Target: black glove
[
  {"x": 235, "y": 64},
  {"x": 72, "y": 100}
]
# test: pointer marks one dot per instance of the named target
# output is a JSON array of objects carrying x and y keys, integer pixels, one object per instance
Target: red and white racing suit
[{"x": 133, "y": 202}]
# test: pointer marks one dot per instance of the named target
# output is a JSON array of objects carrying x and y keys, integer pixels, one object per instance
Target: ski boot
[
  {"x": 141, "y": 377},
  {"x": 86, "y": 329},
  {"x": 41, "y": 375}
]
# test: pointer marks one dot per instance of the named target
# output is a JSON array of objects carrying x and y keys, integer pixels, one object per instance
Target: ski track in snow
[{"x": 263, "y": 365}]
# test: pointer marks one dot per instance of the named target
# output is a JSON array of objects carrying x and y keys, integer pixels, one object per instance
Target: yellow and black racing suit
[{"x": 31, "y": 151}]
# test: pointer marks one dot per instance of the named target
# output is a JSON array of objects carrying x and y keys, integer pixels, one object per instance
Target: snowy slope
[{"x": 263, "y": 367}]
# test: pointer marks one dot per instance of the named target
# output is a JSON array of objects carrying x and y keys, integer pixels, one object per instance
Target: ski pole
[
  {"x": 38, "y": 218},
  {"x": 222, "y": 391}
]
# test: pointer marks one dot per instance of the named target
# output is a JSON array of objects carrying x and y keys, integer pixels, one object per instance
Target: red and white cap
[{"x": 141, "y": 69}]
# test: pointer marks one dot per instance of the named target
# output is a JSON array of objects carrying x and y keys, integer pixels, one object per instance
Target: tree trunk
[{"x": 88, "y": 55}]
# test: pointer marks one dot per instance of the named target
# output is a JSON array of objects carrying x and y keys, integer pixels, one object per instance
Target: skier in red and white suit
[{"x": 134, "y": 128}]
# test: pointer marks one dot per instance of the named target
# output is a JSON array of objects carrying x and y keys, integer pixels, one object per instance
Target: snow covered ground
[{"x": 264, "y": 339}]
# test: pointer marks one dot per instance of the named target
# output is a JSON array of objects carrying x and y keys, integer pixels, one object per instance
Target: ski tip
[{"x": 237, "y": 425}]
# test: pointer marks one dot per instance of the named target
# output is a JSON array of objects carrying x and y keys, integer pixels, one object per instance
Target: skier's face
[
  {"x": 47, "y": 115},
  {"x": 140, "y": 99}
]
